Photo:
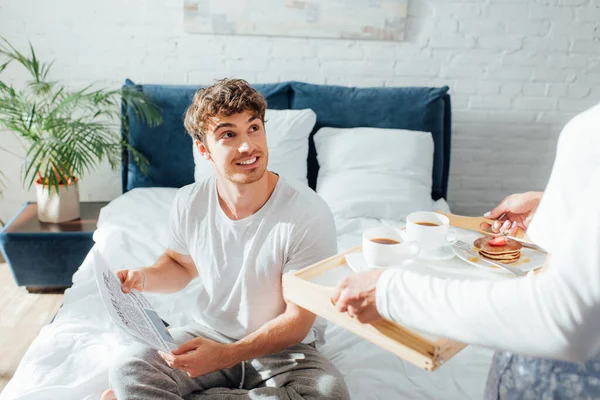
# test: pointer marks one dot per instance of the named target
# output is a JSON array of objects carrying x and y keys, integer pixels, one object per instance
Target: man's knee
[
  {"x": 318, "y": 385},
  {"x": 324, "y": 378},
  {"x": 332, "y": 386},
  {"x": 132, "y": 361}
]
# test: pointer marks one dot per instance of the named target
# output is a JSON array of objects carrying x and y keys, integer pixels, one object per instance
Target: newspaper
[{"x": 131, "y": 311}]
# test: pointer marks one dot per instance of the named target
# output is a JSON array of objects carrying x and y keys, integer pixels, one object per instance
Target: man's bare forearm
[
  {"x": 286, "y": 330},
  {"x": 170, "y": 273}
]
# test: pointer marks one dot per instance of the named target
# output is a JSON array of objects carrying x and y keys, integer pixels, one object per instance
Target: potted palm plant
[{"x": 67, "y": 132}]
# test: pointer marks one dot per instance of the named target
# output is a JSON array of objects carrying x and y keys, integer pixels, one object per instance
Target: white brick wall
[{"x": 517, "y": 69}]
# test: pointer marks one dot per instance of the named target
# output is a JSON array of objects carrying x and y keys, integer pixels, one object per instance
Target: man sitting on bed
[{"x": 238, "y": 233}]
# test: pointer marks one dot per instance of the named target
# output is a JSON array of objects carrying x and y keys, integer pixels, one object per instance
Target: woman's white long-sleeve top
[{"x": 555, "y": 314}]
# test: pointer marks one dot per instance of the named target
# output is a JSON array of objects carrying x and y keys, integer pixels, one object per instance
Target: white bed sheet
[{"x": 70, "y": 357}]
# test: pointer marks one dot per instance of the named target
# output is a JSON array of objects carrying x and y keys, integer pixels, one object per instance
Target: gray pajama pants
[{"x": 298, "y": 372}]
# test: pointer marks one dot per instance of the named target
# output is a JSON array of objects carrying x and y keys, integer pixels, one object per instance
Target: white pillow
[
  {"x": 287, "y": 140},
  {"x": 376, "y": 173}
]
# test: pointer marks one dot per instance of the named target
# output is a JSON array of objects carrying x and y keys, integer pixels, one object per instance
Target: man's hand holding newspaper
[
  {"x": 132, "y": 279},
  {"x": 131, "y": 311}
]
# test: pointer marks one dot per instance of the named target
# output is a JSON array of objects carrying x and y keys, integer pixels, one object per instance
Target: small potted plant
[{"x": 68, "y": 133}]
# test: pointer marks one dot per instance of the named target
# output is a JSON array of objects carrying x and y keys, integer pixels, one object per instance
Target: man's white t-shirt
[
  {"x": 555, "y": 314},
  {"x": 240, "y": 263}
]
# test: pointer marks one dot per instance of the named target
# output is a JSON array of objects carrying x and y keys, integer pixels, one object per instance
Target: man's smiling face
[{"x": 237, "y": 146}]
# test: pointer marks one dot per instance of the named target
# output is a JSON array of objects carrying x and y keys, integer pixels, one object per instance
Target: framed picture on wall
[{"x": 334, "y": 19}]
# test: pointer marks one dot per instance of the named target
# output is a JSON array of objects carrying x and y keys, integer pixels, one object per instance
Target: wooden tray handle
[{"x": 473, "y": 223}]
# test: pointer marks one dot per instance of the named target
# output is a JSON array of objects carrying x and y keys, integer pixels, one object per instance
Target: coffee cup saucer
[
  {"x": 356, "y": 261},
  {"x": 439, "y": 254}
]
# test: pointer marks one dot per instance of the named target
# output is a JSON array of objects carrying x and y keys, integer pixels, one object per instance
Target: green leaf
[
  {"x": 68, "y": 132},
  {"x": 3, "y": 66}
]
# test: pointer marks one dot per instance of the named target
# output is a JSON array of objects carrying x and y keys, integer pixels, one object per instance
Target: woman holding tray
[{"x": 532, "y": 321}]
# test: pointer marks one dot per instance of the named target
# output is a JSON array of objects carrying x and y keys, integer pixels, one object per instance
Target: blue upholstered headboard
[{"x": 168, "y": 147}]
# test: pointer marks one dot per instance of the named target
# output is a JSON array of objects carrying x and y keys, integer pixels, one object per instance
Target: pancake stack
[{"x": 506, "y": 254}]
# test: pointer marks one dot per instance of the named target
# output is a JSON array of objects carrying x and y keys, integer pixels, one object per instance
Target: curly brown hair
[{"x": 225, "y": 97}]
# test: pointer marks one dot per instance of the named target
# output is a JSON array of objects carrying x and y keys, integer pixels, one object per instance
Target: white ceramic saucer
[
  {"x": 357, "y": 262},
  {"x": 439, "y": 254}
]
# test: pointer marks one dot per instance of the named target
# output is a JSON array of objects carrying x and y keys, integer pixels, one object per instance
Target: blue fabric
[
  {"x": 412, "y": 108},
  {"x": 45, "y": 259},
  {"x": 168, "y": 146},
  {"x": 515, "y": 377}
]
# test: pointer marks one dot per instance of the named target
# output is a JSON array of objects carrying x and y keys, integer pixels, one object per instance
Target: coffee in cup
[
  {"x": 384, "y": 241},
  {"x": 423, "y": 223}
]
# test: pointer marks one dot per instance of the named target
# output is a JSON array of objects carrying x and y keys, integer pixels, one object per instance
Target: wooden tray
[
  {"x": 405, "y": 343},
  {"x": 419, "y": 349},
  {"x": 473, "y": 223}
]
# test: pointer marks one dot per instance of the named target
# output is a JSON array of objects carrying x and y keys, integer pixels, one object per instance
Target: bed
[{"x": 70, "y": 357}]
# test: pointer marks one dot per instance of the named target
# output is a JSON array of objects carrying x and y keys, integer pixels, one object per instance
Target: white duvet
[{"x": 70, "y": 357}]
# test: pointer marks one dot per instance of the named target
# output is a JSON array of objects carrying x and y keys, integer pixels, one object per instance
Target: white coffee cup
[
  {"x": 431, "y": 230},
  {"x": 385, "y": 247}
]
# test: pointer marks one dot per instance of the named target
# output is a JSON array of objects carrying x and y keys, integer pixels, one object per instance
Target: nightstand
[{"x": 44, "y": 256}]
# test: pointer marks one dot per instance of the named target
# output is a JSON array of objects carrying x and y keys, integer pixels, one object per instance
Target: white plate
[{"x": 530, "y": 259}]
